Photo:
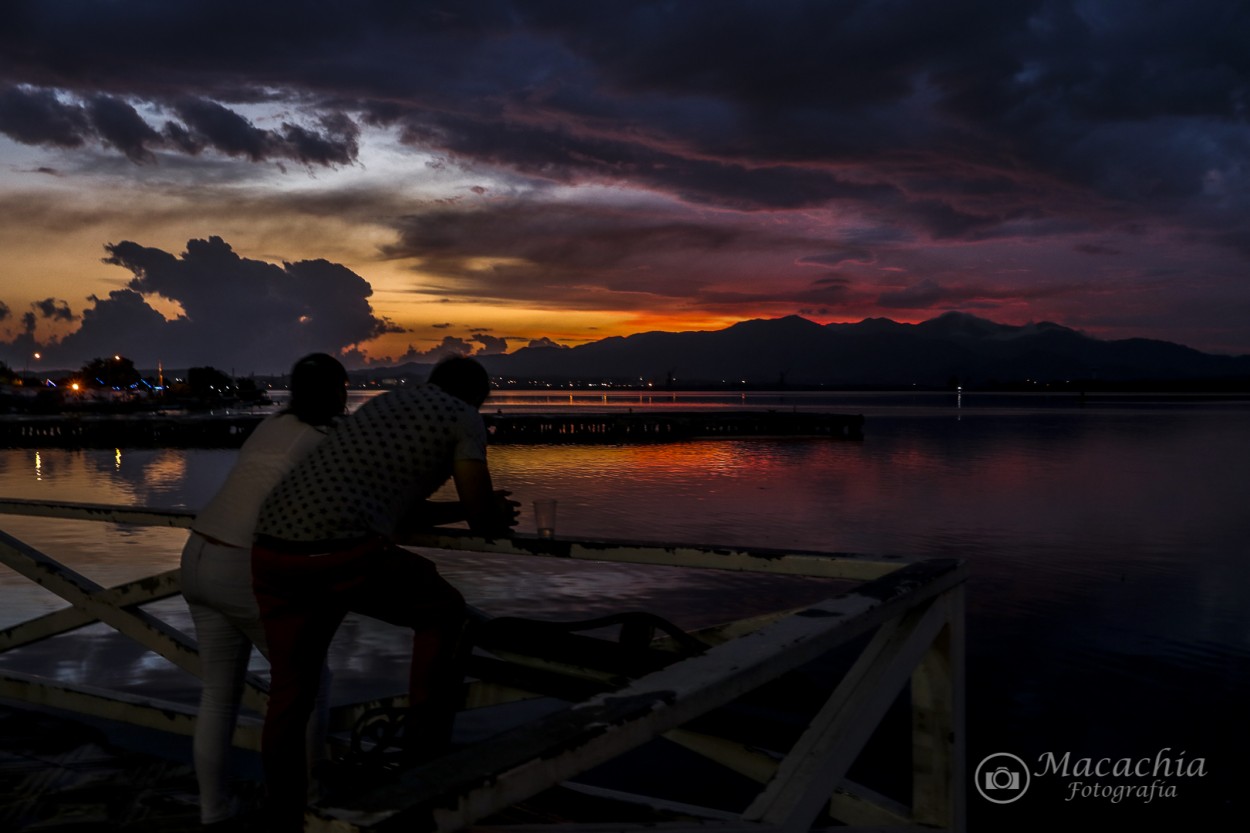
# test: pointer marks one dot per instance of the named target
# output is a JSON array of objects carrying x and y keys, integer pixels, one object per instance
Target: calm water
[{"x": 1107, "y": 541}]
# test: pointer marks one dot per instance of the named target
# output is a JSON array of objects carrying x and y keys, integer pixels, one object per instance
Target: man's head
[{"x": 463, "y": 378}]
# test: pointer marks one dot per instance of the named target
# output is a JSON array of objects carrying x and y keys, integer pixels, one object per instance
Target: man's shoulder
[
  {"x": 416, "y": 403},
  {"x": 422, "y": 395}
]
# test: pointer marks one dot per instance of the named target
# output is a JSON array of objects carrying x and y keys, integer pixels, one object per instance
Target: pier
[
  {"x": 230, "y": 430},
  {"x": 898, "y": 625},
  {"x": 127, "y": 431}
]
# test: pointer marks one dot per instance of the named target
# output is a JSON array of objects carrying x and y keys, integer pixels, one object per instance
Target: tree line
[{"x": 118, "y": 378}]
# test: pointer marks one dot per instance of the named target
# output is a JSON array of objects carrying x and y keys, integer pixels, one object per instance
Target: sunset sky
[{"x": 238, "y": 183}]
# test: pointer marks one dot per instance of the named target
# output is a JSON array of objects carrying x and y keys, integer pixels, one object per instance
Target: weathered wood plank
[
  {"x": 750, "y": 559},
  {"x": 807, "y": 777},
  {"x": 938, "y": 724},
  {"x": 140, "y": 591},
  {"x": 851, "y": 803},
  {"x": 856, "y": 805},
  {"x": 138, "y": 515},
  {"x": 466, "y": 786},
  {"x": 139, "y": 625},
  {"x": 147, "y": 712},
  {"x": 744, "y": 760},
  {"x": 720, "y": 557},
  {"x": 650, "y": 802}
]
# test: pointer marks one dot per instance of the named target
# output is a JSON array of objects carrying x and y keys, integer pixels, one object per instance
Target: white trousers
[{"x": 217, "y": 584}]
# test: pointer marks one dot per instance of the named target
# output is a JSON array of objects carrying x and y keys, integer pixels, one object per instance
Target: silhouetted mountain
[{"x": 874, "y": 352}]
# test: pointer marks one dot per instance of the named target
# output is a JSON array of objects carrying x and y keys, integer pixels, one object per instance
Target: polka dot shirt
[{"x": 373, "y": 467}]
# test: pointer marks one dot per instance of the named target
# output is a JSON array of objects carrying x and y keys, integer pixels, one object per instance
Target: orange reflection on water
[
  {"x": 164, "y": 472},
  {"x": 127, "y": 477}
]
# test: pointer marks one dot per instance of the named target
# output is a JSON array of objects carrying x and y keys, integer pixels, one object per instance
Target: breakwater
[
  {"x": 668, "y": 426},
  {"x": 230, "y": 430}
]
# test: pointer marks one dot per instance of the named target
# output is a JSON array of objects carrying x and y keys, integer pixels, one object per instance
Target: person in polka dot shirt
[{"x": 325, "y": 545}]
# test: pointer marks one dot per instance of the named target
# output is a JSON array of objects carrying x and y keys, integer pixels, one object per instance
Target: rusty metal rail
[{"x": 908, "y": 615}]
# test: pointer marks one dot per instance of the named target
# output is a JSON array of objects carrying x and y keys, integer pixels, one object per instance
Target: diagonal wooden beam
[
  {"x": 134, "y": 593},
  {"x": 851, "y": 803},
  {"x": 91, "y": 599},
  {"x": 807, "y": 776}
]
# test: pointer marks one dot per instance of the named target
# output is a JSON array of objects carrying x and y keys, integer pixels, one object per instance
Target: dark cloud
[
  {"x": 5, "y": 312},
  {"x": 120, "y": 125},
  {"x": 849, "y": 254},
  {"x": 587, "y": 256},
  {"x": 55, "y": 309},
  {"x": 182, "y": 139},
  {"x": 123, "y": 323},
  {"x": 923, "y": 295},
  {"x": 449, "y": 346},
  {"x": 738, "y": 103},
  {"x": 478, "y": 344},
  {"x": 555, "y": 152},
  {"x": 557, "y": 251},
  {"x": 491, "y": 345},
  {"x": 38, "y": 117},
  {"x": 335, "y": 145},
  {"x": 1095, "y": 249},
  {"x": 220, "y": 127},
  {"x": 247, "y": 314},
  {"x": 929, "y": 294},
  {"x": 546, "y": 342},
  {"x": 210, "y": 124}
]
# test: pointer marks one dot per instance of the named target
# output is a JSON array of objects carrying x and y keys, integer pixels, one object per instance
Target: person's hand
[{"x": 506, "y": 509}]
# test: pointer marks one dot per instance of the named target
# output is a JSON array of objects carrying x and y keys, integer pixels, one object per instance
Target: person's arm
[{"x": 487, "y": 510}]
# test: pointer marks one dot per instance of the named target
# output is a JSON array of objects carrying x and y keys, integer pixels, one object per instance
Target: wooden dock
[
  {"x": 127, "y": 430},
  {"x": 897, "y": 629},
  {"x": 230, "y": 430}
]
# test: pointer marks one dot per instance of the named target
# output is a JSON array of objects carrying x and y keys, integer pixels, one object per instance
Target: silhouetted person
[
  {"x": 325, "y": 545},
  {"x": 217, "y": 571}
]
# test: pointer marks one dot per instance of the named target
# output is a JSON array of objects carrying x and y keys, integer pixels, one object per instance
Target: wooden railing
[{"x": 908, "y": 615}]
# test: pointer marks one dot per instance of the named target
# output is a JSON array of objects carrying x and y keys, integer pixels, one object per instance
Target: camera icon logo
[{"x": 1002, "y": 778}]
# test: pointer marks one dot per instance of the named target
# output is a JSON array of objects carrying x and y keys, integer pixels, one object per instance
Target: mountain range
[{"x": 794, "y": 351}]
